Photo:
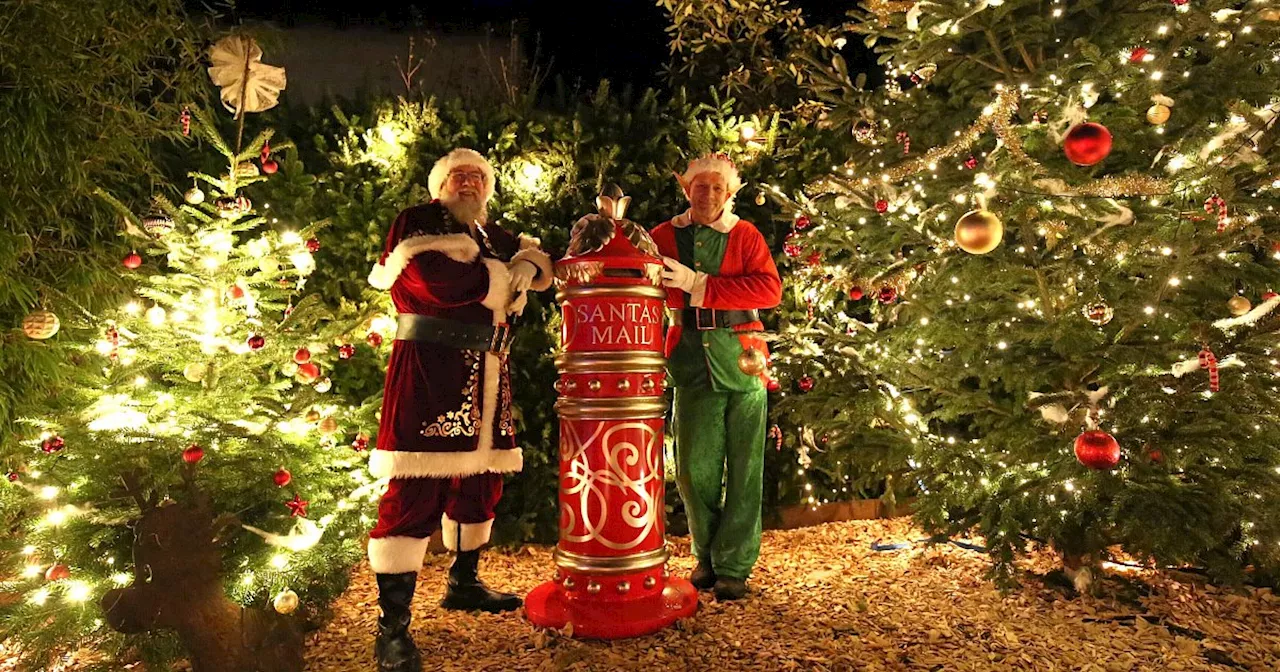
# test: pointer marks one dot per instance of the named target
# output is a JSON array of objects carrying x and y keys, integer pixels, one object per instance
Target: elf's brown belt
[
  {"x": 710, "y": 318},
  {"x": 455, "y": 334}
]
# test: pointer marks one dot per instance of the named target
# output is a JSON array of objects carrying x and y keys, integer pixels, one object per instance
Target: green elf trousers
[{"x": 719, "y": 450}]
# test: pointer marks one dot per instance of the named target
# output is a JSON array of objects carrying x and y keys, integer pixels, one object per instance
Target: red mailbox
[{"x": 611, "y": 580}]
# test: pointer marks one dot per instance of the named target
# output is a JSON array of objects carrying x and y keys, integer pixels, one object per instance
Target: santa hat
[
  {"x": 460, "y": 157},
  {"x": 714, "y": 163}
]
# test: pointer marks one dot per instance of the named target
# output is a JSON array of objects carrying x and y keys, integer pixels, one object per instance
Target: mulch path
[{"x": 823, "y": 600}]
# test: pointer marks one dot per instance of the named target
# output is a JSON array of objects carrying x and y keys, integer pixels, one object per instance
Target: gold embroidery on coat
[
  {"x": 506, "y": 424},
  {"x": 465, "y": 420}
]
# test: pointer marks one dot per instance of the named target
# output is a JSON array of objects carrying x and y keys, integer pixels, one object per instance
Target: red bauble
[
  {"x": 282, "y": 477},
  {"x": 1136, "y": 55},
  {"x": 1087, "y": 143},
  {"x": 888, "y": 294},
  {"x": 12, "y": 476},
  {"x": 773, "y": 385},
  {"x": 302, "y": 356},
  {"x": 855, "y": 293},
  {"x": 1097, "y": 449},
  {"x": 193, "y": 453},
  {"x": 1156, "y": 455},
  {"x": 132, "y": 261},
  {"x": 882, "y": 206},
  {"x": 814, "y": 258},
  {"x": 360, "y": 443},
  {"x": 806, "y": 383},
  {"x": 313, "y": 245},
  {"x": 256, "y": 342},
  {"x": 374, "y": 339},
  {"x": 346, "y": 351},
  {"x": 308, "y": 372},
  {"x": 790, "y": 247},
  {"x": 971, "y": 162},
  {"x": 57, "y": 573},
  {"x": 802, "y": 223},
  {"x": 53, "y": 444},
  {"x": 236, "y": 292},
  {"x": 270, "y": 166}
]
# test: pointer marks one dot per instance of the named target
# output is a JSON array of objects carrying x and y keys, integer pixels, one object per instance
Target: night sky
[{"x": 622, "y": 40}]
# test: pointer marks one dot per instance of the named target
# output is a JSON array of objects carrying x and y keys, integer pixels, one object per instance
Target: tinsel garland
[{"x": 998, "y": 118}]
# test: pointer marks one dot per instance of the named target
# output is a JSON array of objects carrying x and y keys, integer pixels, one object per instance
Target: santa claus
[{"x": 446, "y": 436}]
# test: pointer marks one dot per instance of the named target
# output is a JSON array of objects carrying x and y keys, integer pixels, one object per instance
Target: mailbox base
[{"x": 550, "y": 605}]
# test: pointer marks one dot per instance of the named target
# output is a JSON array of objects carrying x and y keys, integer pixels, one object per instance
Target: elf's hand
[
  {"x": 522, "y": 274},
  {"x": 678, "y": 275}
]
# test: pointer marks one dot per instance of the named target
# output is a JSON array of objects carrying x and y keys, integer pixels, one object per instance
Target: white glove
[
  {"x": 522, "y": 275},
  {"x": 678, "y": 275}
]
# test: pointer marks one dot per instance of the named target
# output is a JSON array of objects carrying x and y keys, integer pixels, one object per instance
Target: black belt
[
  {"x": 455, "y": 334},
  {"x": 710, "y": 318}
]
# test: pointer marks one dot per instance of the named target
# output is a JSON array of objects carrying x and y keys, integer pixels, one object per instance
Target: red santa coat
[
  {"x": 748, "y": 278},
  {"x": 446, "y": 412}
]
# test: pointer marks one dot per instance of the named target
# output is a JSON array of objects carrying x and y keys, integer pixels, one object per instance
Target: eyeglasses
[{"x": 460, "y": 177}]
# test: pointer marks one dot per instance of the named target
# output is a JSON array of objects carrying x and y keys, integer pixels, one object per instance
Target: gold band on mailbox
[
  {"x": 617, "y": 564},
  {"x": 623, "y": 361},
  {"x": 642, "y": 291},
  {"x": 619, "y": 408}
]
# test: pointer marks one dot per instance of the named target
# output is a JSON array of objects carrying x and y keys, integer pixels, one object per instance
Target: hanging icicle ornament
[
  {"x": 1215, "y": 204},
  {"x": 1210, "y": 363}
]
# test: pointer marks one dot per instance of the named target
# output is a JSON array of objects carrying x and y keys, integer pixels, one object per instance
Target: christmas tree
[
  {"x": 204, "y": 474},
  {"x": 1039, "y": 294}
]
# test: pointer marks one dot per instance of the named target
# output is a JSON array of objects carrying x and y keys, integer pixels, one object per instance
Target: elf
[{"x": 719, "y": 274}]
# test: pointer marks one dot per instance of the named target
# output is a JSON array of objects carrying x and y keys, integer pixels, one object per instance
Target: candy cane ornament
[{"x": 1210, "y": 362}]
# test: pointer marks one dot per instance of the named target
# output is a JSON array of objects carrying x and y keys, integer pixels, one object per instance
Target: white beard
[{"x": 465, "y": 210}]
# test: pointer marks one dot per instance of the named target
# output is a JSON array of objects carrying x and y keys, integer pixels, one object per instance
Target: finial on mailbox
[{"x": 612, "y": 203}]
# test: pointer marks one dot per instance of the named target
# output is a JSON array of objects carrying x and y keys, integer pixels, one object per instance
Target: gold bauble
[
  {"x": 195, "y": 371},
  {"x": 40, "y": 324},
  {"x": 328, "y": 426},
  {"x": 194, "y": 196},
  {"x": 1158, "y": 114},
  {"x": 752, "y": 361},
  {"x": 1270, "y": 14},
  {"x": 979, "y": 232},
  {"x": 760, "y": 198},
  {"x": 286, "y": 602},
  {"x": 1238, "y": 305},
  {"x": 312, "y": 415}
]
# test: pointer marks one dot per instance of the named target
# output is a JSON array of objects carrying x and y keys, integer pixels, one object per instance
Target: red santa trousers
[{"x": 413, "y": 508}]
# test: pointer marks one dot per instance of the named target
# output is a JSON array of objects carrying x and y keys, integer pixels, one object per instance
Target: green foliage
[
  {"x": 974, "y": 381},
  {"x": 90, "y": 96}
]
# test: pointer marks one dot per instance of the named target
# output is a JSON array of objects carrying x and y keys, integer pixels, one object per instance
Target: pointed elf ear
[{"x": 684, "y": 186}]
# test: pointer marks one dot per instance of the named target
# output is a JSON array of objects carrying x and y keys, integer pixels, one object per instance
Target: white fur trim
[
  {"x": 712, "y": 163},
  {"x": 474, "y": 535},
  {"x": 725, "y": 224},
  {"x": 406, "y": 464},
  {"x": 396, "y": 555},
  {"x": 540, "y": 259},
  {"x": 699, "y": 292},
  {"x": 457, "y": 246},
  {"x": 460, "y": 157},
  {"x": 1250, "y": 318},
  {"x": 499, "y": 295}
]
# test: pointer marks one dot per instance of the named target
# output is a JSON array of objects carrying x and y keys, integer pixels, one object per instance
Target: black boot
[
  {"x": 730, "y": 588},
  {"x": 394, "y": 647},
  {"x": 468, "y": 593},
  {"x": 703, "y": 577}
]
